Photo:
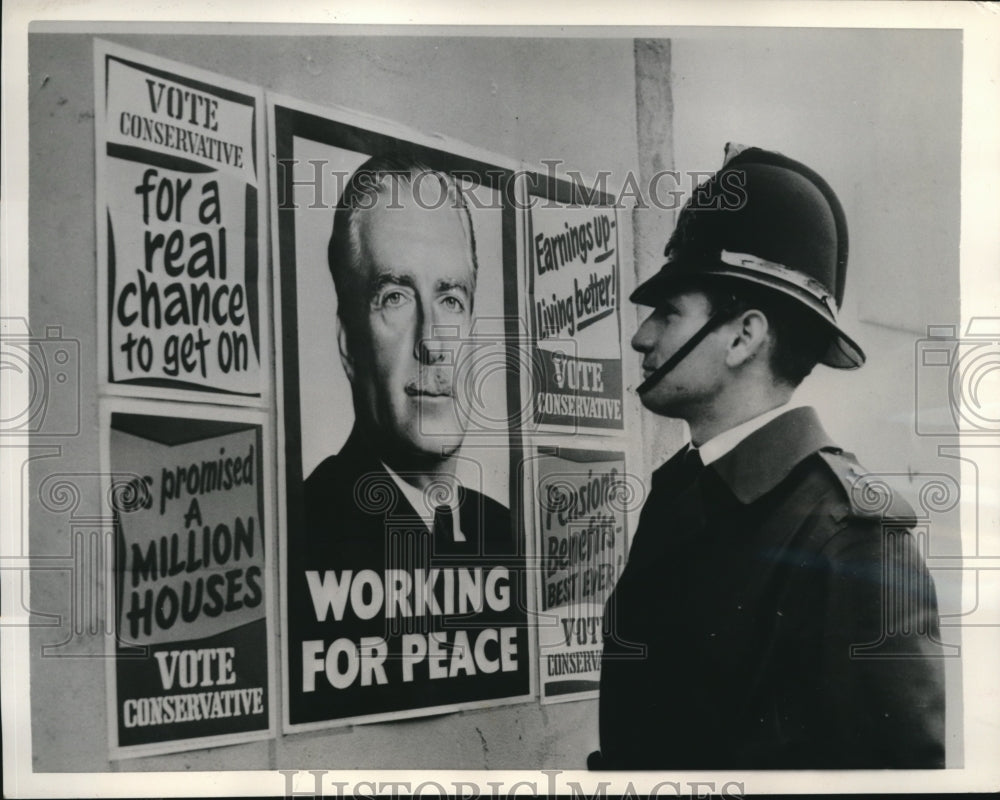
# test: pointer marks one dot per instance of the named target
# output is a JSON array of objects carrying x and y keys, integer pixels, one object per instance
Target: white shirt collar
[
  {"x": 716, "y": 447},
  {"x": 416, "y": 498}
]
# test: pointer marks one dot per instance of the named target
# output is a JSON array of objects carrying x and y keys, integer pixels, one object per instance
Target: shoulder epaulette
[{"x": 868, "y": 496}]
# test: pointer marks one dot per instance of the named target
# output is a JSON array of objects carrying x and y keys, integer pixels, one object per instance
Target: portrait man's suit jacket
[{"x": 771, "y": 617}]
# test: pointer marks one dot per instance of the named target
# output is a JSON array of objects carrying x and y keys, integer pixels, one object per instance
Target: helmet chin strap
[{"x": 713, "y": 322}]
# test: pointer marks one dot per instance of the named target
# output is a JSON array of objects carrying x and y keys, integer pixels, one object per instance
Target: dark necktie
[
  {"x": 444, "y": 525},
  {"x": 691, "y": 466}
]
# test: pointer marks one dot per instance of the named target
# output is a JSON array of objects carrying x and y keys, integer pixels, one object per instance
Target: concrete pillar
[{"x": 653, "y": 221}]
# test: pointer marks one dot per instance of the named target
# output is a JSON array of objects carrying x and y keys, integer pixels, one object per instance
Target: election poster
[
  {"x": 190, "y": 665},
  {"x": 581, "y": 501},
  {"x": 180, "y": 223},
  {"x": 574, "y": 286},
  {"x": 404, "y": 589}
]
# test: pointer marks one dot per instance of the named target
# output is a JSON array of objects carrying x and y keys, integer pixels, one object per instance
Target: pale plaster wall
[
  {"x": 878, "y": 114},
  {"x": 527, "y": 99}
]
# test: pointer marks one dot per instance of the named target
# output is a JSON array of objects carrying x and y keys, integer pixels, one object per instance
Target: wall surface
[
  {"x": 526, "y": 99},
  {"x": 878, "y": 115}
]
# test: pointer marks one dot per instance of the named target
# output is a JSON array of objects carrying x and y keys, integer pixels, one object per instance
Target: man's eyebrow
[
  {"x": 391, "y": 279},
  {"x": 446, "y": 284}
]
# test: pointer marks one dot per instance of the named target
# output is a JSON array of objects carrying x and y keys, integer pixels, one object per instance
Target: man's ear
[
  {"x": 345, "y": 352},
  {"x": 750, "y": 333}
]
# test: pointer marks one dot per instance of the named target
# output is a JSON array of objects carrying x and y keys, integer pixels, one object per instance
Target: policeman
[{"x": 774, "y": 612}]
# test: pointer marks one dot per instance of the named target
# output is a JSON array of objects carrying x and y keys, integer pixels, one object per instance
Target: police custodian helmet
[{"x": 767, "y": 220}]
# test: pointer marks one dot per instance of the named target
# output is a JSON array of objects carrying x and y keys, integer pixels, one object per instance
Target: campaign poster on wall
[
  {"x": 190, "y": 665},
  {"x": 574, "y": 278},
  {"x": 180, "y": 226},
  {"x": 581, "y": 502},
  {"x": 404, "y": 590}
]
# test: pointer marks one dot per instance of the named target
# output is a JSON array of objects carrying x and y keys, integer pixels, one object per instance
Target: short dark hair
[
  {"x": 363, "y": 190},
  {"x": 799, "y": 339}
]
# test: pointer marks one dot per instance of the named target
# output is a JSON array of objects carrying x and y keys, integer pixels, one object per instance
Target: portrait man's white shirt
[{"x": 416, "y": 498}]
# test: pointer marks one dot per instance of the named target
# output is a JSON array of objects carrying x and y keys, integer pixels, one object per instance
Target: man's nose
[
  {"x": 642, "y": 342},
  {"x": 430, "y": 346}
]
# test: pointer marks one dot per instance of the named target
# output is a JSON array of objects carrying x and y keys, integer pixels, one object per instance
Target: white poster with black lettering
[
  {"x": 180, "y": 230},
  {"x": 582, "y": 499},
  {"x": 190, "y": 664},
  {"x": 573, "y": 262}
]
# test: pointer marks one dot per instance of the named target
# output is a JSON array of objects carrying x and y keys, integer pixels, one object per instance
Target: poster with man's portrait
[{"x": 396, "y": 268}]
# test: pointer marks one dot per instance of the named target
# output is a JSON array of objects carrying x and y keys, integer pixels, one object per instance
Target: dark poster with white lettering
[
  {"x": 179, "y": 225},
  {"x": 191, "y": 655},
  {"x": 405, "y": 585},
  {"x": 582, "y": 498},
  {"x": 574, "y": 287}
]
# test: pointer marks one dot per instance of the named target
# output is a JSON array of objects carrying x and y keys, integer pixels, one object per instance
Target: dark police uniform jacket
[
  {"x": 769, "y": 617},
  {"x": 354, "y": 517}
]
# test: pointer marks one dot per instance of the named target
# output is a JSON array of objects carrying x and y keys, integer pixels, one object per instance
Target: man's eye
[
  {"x": 392, "y": 299},
  {"x": 453, "y": 303}
]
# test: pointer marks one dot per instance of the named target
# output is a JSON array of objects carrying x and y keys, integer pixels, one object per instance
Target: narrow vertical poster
[
  {"x": 581, "y": 500},
  {"x": 180, "y": 225},
  {"x": 191, "y": 659},
  {"x": 574, "y": 268}
]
